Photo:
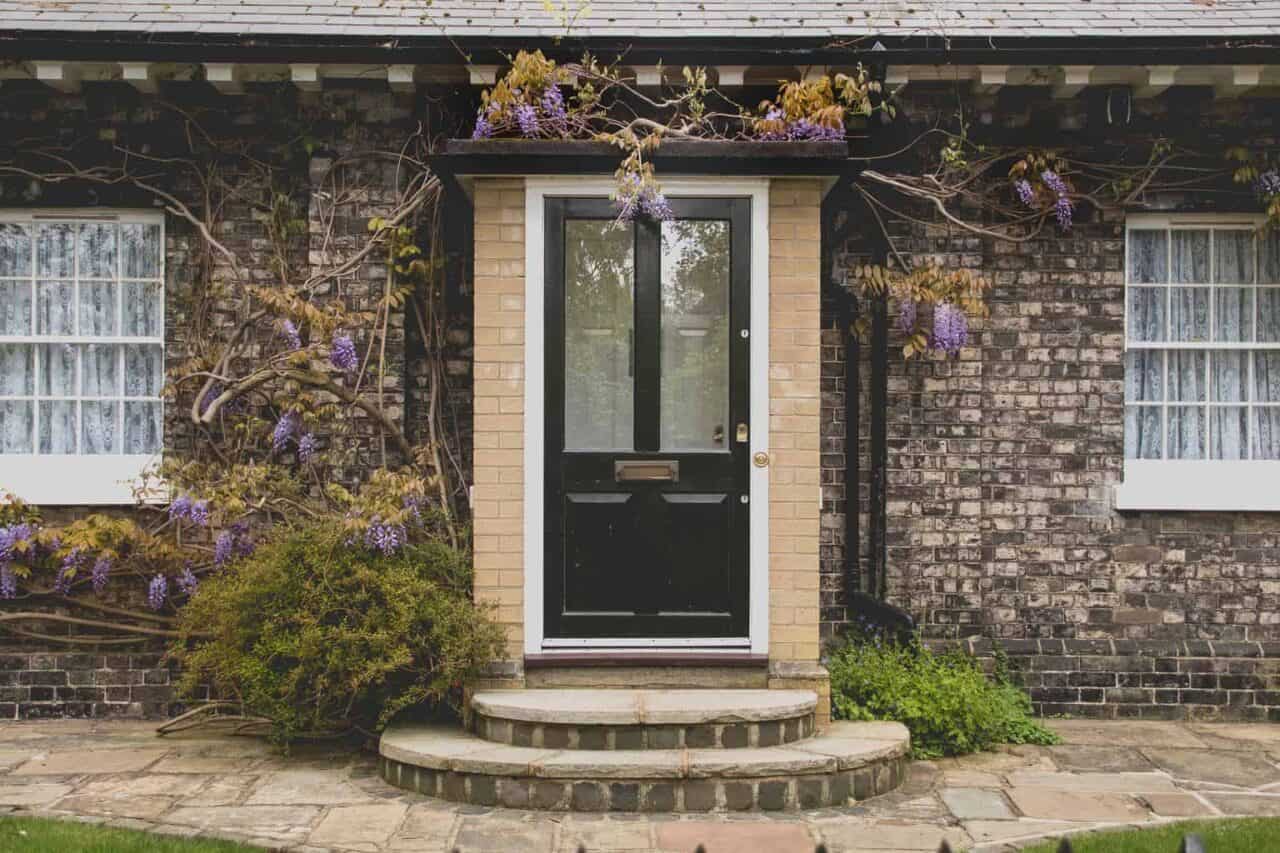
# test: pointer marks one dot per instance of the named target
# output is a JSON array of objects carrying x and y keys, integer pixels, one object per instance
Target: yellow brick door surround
[{"x": 785, "y": 403}]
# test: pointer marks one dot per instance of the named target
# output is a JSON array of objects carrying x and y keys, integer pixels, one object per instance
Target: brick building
[{"x": 1087, "y": 485}]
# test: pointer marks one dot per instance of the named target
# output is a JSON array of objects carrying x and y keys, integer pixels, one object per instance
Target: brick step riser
[
  {"x": 807, "y": 791},
  {"x": 735, "y": 735}
]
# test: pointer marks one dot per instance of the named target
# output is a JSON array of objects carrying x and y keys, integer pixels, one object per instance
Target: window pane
[
  {"x": 98, "y": 374},
  {"x": 1148, "y": 256},
  {"x": 1186, "y": 432},
  {"x": 1146, "y": 313},
  {"x": 98, "y": 427},
  {"x": 98, "y": 308},
  {"x": 17, "y": 420},
  {"x": 55, "y": 250},
  {"x": 1266, "y": 377},
  {"x": 17, "y": 373},
  {"x": 55, "y": 308},
  {"x": 1186, "y": 376},
  {"x": 139, "y": 250},
  {"x": 1142, "y": 435},
  {"x": 1229, "y": 376},
  {"x": 1266, "y": 432},
  {"x": 1190, "y": 251},
  {"x": 98, "y": 250},
  {"x": 15, "y": 307},
  {"x": 599, "y": 330},
  {"x": 1233, "y": 257},
  {"x": 1269, "y": 257},
  {"x": 142, "y": 309},
  {"x": 1268, "y": 314},
  {"x": 695, "y": 335},
  {"x": 1144, "y": 376},
  {"x": 1233, "y": 314},
  {"x": 15, "y": 249},
  {"x": 142, "y": 427},
  {"x": 143, "y": 370},
  {"x": 57, "y": 370},
  {"x": 1189, "y": 314},
  {"x": 57, "y": 426},
  {"x": 1230, "y": 432}
]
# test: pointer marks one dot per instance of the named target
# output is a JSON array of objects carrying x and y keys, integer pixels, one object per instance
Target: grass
[
  {"x": 1235, "y": 835},
  {"x": 38, "y": 835}
]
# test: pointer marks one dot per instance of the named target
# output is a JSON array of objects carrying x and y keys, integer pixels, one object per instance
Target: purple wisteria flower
[
  {"x": 1063, "y": 209},
  {"x": 805, "y": 130},
  {"x": 101, "y": 573},
  {"x": 184, "y": 508},
  {"x": 639, "y": 198},
  {"x": 1025, "y": 193},
  {"x": 285, "y": 428},
  {"x": 291, "y": 334},
  {"x": 307, "y": 448},
  {"x": 775, "y": 115},
  {"x": 158, "y": 592},
  {"x": 483, "y": 129},
  {"x": 1053, "y": 181},
  {"x": 950, "y": 328},
  {"x": 342, "y": 353},
  {"x": 527, "y": 118},
  {"x": 179, "y": 507},
  {"x": 908, "y": 310},
  {"x": 188, "y": 582},
  {"x": 387, "y": 538},
  {"x": 1268, "y": 183},
  {"x": 10, "y": 537},
  {"x": 554, "y": 110},
  {"x": 232, "y": 542},
  {"x": 8, "y": 581},
  {"x": 67, "y": 572}
]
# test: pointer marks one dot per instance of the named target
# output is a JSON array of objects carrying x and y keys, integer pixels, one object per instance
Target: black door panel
[{"x": 647, "y": 397}]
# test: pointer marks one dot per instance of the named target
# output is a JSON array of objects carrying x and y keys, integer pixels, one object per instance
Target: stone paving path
[{"x": 1105, "y": 774}]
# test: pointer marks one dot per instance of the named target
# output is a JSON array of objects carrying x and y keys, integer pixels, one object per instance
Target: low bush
[
  {"x": 320, "y": 634},
  {"x": 947, "y": 702}
]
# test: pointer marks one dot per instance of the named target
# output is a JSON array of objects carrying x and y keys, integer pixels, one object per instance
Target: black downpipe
[
  {"x": 879, "y": 553},
  {"x": 852, "y": 457}
]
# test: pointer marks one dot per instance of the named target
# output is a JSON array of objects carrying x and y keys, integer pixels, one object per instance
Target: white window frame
[
  {"x": 1198, "y": 484},
  {"x": 82, "y": 479},
  {"x": 537, "y": 190}
]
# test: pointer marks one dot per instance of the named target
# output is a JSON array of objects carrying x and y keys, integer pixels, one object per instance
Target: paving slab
[
  {"x": 249, "y": 820},
  {"x": 1103, "y": 759},
  {"x": 856, "y": 835},
  {"x": 760, "y": 761},
  {"x": 365, "y": 827},
  {"x": 159, "y": 785},
  {"x": 1093, "y": 782},
  {"x": 202, "y": 764},
  {"x": 426, "y": 826},
  {"x": 994, "y": 831},
  {"x": 970, "y": 779},
  {"x": 1249, "y": 734},
  {"x": 1246, "y": 804},
  {"x": 221, "y": 791},
  {"x": 32, "y": 794},
  {"x": 605, "y": 836},
  {"x": 745, "y": 837},
  {"x": 1243, "y": 769},
  {"x": 976, "y": 804},
  {"x": 1051, "y": 804},
  {"x": 306, "y": 787},
  {"x": 118, "y": 805},
  {"x": 614, "y": 764},
  {"x": 83, "y": 761},
  {"x": 1127, "y": 733},
  {"x": 494, "y": 834},
  {"x": 1177, "y": 805},
  {"x": 653, "y": 707}
]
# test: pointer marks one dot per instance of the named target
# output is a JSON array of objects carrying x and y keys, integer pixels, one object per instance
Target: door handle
[{"x": 742, "y": 434}]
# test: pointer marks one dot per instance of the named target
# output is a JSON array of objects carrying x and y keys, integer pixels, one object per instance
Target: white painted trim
[
  {"x": 719, "y": 643},
  {"x": 537, "y": 190},
  {"x": 1201, "y": 485},
  {"x": 78, "y": 480}
]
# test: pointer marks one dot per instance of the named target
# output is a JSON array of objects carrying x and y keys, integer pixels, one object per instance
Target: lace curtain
[
  {"x": 1214, "y": 292},
  {"x": 86, "y": 301}
]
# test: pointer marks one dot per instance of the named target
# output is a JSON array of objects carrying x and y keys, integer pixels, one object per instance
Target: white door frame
[{"x": 537, "y": 190}]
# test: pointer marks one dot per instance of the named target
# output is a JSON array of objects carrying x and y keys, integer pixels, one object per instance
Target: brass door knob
[{"x": 761, "y": 459}]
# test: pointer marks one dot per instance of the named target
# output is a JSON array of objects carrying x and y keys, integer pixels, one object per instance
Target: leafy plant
[
  {"x": 320, "y": 634},
  {"x": 945, "y": 700}
]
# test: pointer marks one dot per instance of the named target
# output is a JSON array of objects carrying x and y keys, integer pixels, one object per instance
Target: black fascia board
[
  {"x": 675, "y": 157},
  {"x": 747, "y": 50}
]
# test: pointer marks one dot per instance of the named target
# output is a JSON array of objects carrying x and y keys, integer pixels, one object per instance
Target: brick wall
[
  {"x": 498, "y": 426},
  {"x": 1001, "y": 468}
]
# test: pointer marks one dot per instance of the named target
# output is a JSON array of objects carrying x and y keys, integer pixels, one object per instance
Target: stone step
[
  {"x": 849, "y": 761},
  {"x": 643, "y": 719}
]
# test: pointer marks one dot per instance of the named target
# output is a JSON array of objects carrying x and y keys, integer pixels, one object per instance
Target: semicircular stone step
[
  {"x": 595, "y": 719},
  {"x": 849, "y": 761}
]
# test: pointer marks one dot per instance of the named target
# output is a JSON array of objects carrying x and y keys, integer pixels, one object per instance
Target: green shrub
[
  {"x": 320, "y": 636},
  {"x": 947, "y": 702}
]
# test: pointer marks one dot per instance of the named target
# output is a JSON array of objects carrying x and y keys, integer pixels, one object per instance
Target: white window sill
[
  {"x": 75, "y": 480},
  {"x": 1199, "y": 485}
]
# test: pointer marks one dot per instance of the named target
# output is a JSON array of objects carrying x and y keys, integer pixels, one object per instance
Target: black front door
[{"x": 647, "y": 358}]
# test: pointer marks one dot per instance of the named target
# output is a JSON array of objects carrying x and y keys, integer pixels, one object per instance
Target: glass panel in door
[
  {"x": 599, "y": 311},
  {"x": 694, "y": 387}
]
